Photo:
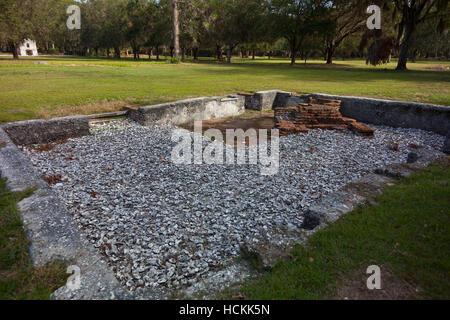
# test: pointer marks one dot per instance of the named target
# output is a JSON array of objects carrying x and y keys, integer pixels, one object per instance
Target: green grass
[
  {"x": 18, "y": 278},
  {"x": 73, "y": 85},
  {"x": 407, "y": 232}
]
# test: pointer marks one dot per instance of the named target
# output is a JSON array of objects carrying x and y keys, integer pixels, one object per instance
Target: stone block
[
  {"x": 185, "y": 111},
  {"x": 44, "y": 131}
]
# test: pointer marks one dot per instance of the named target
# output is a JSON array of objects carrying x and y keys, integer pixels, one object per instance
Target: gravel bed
[{"x": 165, "y": 225}]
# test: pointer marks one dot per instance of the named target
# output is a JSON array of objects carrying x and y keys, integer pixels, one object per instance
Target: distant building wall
[{"x": 28, "y": 48}]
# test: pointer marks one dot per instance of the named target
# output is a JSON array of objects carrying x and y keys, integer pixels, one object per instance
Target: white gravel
[{"x": 161, "y": 224}]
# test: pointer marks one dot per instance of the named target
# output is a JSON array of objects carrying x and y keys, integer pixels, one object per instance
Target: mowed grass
[
  {"x": 73, "y": 85},
  {"x": 19, "y": 280},
  {"x": 407, "y": 234}
]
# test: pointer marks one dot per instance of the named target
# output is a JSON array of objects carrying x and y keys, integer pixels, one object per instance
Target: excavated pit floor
[{"x": 160, "y": 224}]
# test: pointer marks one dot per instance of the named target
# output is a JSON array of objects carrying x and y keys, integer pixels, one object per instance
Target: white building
[{"x": 28, "y": 48}]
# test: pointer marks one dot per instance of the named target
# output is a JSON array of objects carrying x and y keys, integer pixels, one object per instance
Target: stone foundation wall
[
  {"x": 423, "y": 116},
  {"x": 316, "y": 114},
  {"x": 185, "y": 111},
  {"x": 262, "y": 100},
  {"x": 43, "y": 131},
  {"x": 395, "y": 113},
  {"x": 52, "y": 233}
]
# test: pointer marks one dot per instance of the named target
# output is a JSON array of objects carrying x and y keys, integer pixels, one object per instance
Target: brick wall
[{"x": 316, "y": 114}]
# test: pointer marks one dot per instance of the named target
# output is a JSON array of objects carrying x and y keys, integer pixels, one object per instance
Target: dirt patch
[
  {"x": 365, "y": 189},
  {"x": 16, "y": 111},
  {"x": 392, "y": 287},
  {"x": 44, "y": 147},
  {"x": 90, "y": 108},
  {"x": 443, "y": 162},
  {"x": 438, "y": 68},
  {"x": 262, "y": 120}
]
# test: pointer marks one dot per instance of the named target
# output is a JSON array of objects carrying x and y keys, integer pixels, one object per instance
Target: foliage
[
  {"x": 412, "y": 14},
  {"x": 310, "y": 28},
  {"x": 380, "y": 51}
]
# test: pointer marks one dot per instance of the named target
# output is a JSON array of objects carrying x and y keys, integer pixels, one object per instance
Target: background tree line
[{"x": 298, "y": 29}]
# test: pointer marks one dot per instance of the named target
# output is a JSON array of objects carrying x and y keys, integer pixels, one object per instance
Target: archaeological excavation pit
[{"x": 165, "y": 227}]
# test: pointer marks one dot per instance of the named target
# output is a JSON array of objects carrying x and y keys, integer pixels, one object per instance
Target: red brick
[{"x": 318, "y": 113}]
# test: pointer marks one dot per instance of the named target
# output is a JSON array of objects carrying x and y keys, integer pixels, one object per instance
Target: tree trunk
[
  {"x": 414, "y": 55},
  {"x": 176, "y": 28},
  {"x": 136, "y": 49},
  {"x": 117, "y": 52},
  {"x": 219, "y": 53},
  {"x": 293, "y": 50},
  {"x": 183, "y": 54},
  {"x": 253, "y": 54},
  {"x": 229, "y": 53},
  {"x": 330, "y": 53},
  {"x": 107, "y": 52},
  {"x": 195, "y": 51},
  {"x": 157, "y": 53},
  {"x": 404, "y": 48},
  {"x": 15, "y": 51}
]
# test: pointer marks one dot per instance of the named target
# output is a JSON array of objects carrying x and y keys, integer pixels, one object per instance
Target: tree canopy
[{"x": 291, "y": 28}]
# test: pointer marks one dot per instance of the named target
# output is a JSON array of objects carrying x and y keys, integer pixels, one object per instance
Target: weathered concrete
[
  {"x": 55, "y": 237},
  {"x": 287, "y": 99},
  {"x": 190, "y": 110},
  {"x": 423, "y": 116},
  {"x": 43, "y": 131},
  {"x": 332, "y": 207},
  {"x": 263, "y": 100},
  {"x": 15, "y": 168},
  {"x": 428, "y": 117},
  {"x": 52, "y": 233},
  {"x": 447, "y": 144},
  {"x": 49, "y": 227},
  {"x": 48, "y": 224},
  {"x": 97, "y": 281}
]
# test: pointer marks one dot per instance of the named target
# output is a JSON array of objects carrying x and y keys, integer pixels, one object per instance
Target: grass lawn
[
  {"x": 74, "y": 85},
  {"x": 407, "y": 234},
  {"x": 18, "y": 278}
]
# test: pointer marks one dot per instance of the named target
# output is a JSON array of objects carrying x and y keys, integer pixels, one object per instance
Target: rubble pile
[{"x": 317, "y": 114}]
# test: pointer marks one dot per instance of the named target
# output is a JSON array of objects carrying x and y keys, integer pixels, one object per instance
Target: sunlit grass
[
  {"x": 406, "y": 232},
  {"x": 19, "y": 279},
  {"x": 77, "y": 85}
]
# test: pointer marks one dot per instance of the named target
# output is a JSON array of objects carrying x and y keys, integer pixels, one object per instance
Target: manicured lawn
[
  {"x": 72, "y": 85},
  {"x": 407, "y": 234},
  {"x": 18, "y": 278}
]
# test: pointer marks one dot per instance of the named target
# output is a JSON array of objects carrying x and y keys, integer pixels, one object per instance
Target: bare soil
[{"x": 393, "y": 287}]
